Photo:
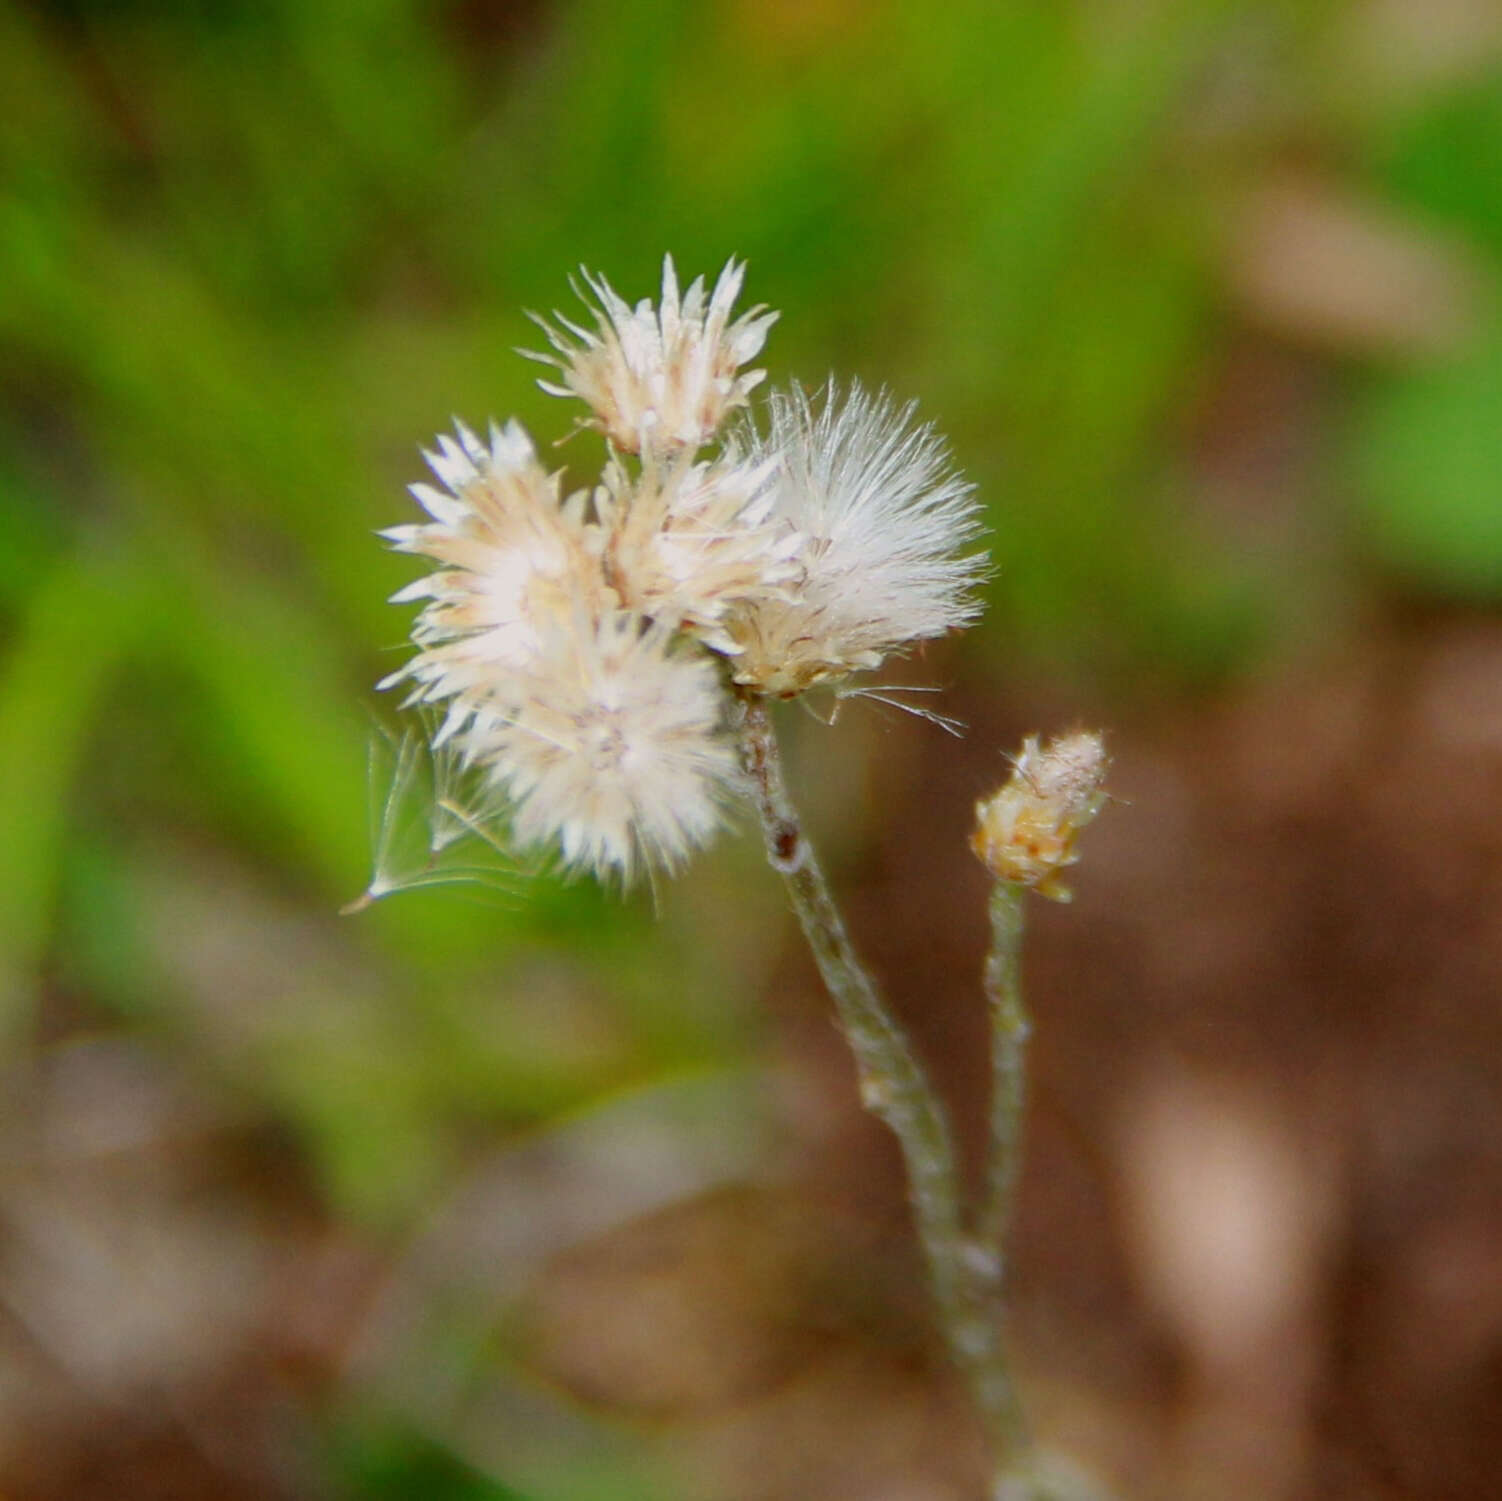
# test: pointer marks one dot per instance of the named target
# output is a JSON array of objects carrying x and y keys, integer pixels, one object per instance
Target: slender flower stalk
[
  {"x": 1010, "y": 1029},
  {"x": 1026, "y": 835},
  {"x": 895, "y": 1088},
  {"x": 892, "y": 1081}
]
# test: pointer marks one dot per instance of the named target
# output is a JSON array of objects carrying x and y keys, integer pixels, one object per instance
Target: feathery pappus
[{"x": 664, "y": 378}]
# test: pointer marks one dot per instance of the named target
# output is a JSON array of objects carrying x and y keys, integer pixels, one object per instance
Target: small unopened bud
[{"x": 1026, "y": 831}]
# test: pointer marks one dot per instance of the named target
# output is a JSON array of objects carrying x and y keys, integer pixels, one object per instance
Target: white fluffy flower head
[
  {"x": 885, "y": 521},
  {"x": 514, "y": 557},
  {"x": 664, "y": 378},
  {"x": 685, "y": 542},
  {"x": 611, "y": 747},
  {"x": 585, "y": 649}
]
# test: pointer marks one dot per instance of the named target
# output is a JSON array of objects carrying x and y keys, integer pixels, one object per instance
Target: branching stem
[{"x": 964, "y": 1270}]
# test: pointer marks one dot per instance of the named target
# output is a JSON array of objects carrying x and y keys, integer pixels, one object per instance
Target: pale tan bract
[
  {"x": 513, "y": 555},
  {"x": 663, "y": 379},
  {"x": 686, "y": 542}
]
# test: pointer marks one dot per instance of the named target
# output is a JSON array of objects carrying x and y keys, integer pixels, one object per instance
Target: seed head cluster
[{"x": 584, "y": 649}]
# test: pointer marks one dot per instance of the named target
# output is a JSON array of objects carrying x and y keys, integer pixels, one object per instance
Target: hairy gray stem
[
  {"x": 1010, "y": 1029},
  {"x": 964, "y": 1271}
]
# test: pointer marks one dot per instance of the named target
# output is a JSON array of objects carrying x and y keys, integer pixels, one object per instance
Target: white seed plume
[
  {"x": 611, "y": 747},
  {"x": 684, "y": 542},
  {"x": 883, "y": 519},
  {"x": 514, "y": 556},
  {"x": 659, "y": 379}
]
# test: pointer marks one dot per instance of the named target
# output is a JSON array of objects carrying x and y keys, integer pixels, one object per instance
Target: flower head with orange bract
[
  {"x": 588, "y": 650},
  {"x": 1028, "y": 830}
]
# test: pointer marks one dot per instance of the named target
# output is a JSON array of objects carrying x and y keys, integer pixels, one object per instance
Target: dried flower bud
[{"x": 1026, "y": 831}]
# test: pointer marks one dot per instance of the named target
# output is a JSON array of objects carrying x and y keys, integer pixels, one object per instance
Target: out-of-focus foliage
[
  {"x": 252, "y": 255},
  {"x": 1429, "y": 442}
]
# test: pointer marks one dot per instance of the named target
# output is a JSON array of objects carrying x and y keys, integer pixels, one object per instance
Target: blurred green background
[{"x": 1204, "y": 294}]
